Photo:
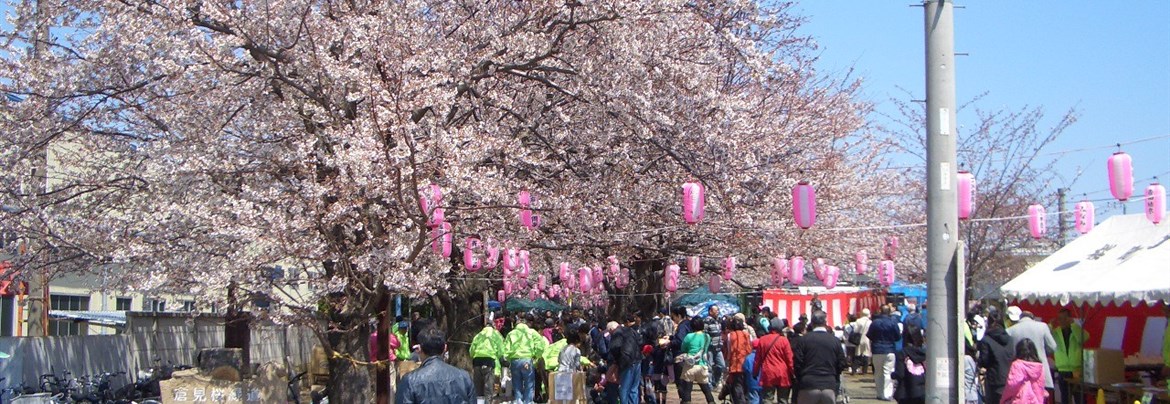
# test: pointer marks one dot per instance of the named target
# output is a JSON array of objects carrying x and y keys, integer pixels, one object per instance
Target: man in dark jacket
[
  {"x": 625, "y": 351},
  {"x": 434, "y": 382},
  {"x": 995, "y": 356},
  {"x": 679, "y": 315},
  {"x": 884, "y": 335},
  {"x": 818, "y": 361}
]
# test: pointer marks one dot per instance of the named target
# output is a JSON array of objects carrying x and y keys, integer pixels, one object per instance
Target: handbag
[{"x": 698, "y": 373}]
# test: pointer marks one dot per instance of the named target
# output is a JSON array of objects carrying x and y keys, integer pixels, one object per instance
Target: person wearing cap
[
  {"x": 487, "y": 349},
  {"x": 751, "y": 331},
  {"x": 521, "y": 347},
  {"x": 1026, "y": 327},
  {"x": 819, "y": 361},
  {"x": 1070, "y": 341},
  {"x": 884, "y": 334}
]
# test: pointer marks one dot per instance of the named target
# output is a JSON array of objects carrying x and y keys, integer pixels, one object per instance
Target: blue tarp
[
  {"x": 917, "y": 290},
  {"x": 699, "y": 300}
]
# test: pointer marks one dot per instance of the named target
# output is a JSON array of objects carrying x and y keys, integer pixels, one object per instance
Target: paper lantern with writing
[
  {"x": 1155, "y": 202},
  {"x": 598, "y": 275},
  {"x": 890, "y": 248},
  {"x": 614, "y": 268},
  {"x": 796, "y": 270},
  {"x": 565, "y": 272},
  {"x": 438, "y": 216},
  {"x": 804, "y": 205},
  {"x": 1084, "y": 215},
  {"x": 584, "y": 280},
  {"x": 670, "y": 277},
  {"x": 511, "y": 260},
  {"x": 493, "y": 256},
  {"x": 533, "y": 294},
  {"x": 622, "y": 279},
  {"x": 819, "y": 268},
  {"x": 860, "y": 262},
  {"x": 441, "y": 238},
  {"x": 1121, "y": 176},
  {"x": 470, "y": 260},
  {"x": 728, "y": 268},
  {"x": 832, "y": 273},
  {"x": 693, "y": 266},
  {"x": 694, "y": 201},
  {"x": 785, "y": 268},
  {"x": 509, "y": 287},
  {"x": 714, "y": 283},
  {"x": 966, "y": 194},
  {"x": 779, "y": 265},
  {"x": 430, "y": 197},
  {"x": 501, "y": 296},
  {"x": 525, "y": 266},
  {"x": 1037, "y": 221},
  {"x": 540, "y": 282},
  {"x": 886, "y": 272}
]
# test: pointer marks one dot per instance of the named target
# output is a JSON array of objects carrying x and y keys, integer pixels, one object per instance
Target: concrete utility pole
[
  {"x": 944, "y": 273},
  {"x": 1061, "y": 223}
]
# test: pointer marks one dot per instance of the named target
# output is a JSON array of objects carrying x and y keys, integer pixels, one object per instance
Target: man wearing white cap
[{"x": 1027, "y": 327}]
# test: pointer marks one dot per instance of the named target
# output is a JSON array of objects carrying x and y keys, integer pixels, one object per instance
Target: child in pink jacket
[{"x": 1025, "y": 381}]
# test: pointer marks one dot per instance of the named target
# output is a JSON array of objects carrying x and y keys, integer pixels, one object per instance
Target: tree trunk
[
  {"x": 350, "y": 382},
  {"x": 465, "y": 303}
]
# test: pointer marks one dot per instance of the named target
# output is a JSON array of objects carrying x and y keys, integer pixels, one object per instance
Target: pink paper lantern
[
  {"x": 493, "y": 256},
  {"x": 508, "y": 287},
  {"x": 598, "y": 275},
  {"x": 525, "y": 266},
  {"x": 966, "y": 194},
  {"x": 438, "y": 216},
  {"x": 861, "y": 262},
  {"x": 671, "y": 277},
  {"x": 614, "y": 268},
  {"x": 570, "y": 282},
  {"x": 804, "y": 205},
  {"x": 693, "y": 266},
  {"x": 566, "y": 271},
  {"x": 728, "y": 268},
  {"x": 470, "y": 260},
  {"x": 1155, "y": 202},
  {"x": 1037, "y": 221},
  {"x": 430, "y": 197},
  {"x": 511, "y": 260},
  {"x": 527, "y": 219},
  {"x": 890, "y": 248},
  {"x": 714, "y": 282},
  {"x": 886, "y": 272},
  {"x": 796, "y": 270},
  {"x": 500, "y": 296},
  {"x": 540, "y": 282},
  {"x": 779, "y": 265},
  {"x": 694, "y": 201},
  {"x": 622, "y": 279},
  {"x": 819, "y": 268},
  {"x": 533, "y": 294},
  {"x": 785, "y": 269},
  {"x": 441, "y": 238},
  {"x": 832, "y": 273},
  {"x": 584, "y": 280},
  {"x": 1084, "y": 215},
  {"x": 1121, "y": 176}
]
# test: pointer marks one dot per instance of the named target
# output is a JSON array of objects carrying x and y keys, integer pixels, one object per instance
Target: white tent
[{"x": 1124, "y": 259}]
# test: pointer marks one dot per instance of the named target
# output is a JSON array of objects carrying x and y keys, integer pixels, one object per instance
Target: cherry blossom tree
[{"x": 192, "y": 145}]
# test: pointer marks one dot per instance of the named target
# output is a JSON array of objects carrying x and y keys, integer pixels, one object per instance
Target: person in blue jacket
[{"x": 751, "y": 379}]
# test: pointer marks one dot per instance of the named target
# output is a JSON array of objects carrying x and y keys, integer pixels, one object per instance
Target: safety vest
[{"x": 1069, "y": 358}]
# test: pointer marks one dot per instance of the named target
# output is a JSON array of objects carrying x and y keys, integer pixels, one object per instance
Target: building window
[
  {"x": 155, "y": 305},
  {"x": 68, "y": 303},
  {"x": 188, "y": 306},
  {"x": 123, "y": 304}
]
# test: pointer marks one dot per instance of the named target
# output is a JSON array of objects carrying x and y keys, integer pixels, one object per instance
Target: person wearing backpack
[
  {"x": 910, "y": 367},
  {"x": 694, "y": 353}
]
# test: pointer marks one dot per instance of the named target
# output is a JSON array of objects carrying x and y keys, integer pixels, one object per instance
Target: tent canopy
[
  {"x": 701, "y": 295},
  {"x": 1124, "y": 259},
  {"x": 916, "y": 290},
  {"x": 517, "y": 305}
]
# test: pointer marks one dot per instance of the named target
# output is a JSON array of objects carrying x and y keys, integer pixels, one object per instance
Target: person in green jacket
[
  {"x": 696, "y": 345},
  {"x": 401, "y": 329},
  {"x": 487, "y": 349},
  {"x": 1070, "y": 341},
  {"x": 521, "y": 347}
]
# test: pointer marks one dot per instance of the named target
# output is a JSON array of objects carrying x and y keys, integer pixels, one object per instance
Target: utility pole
[
  {"x": 38, "y": 284},
  {"x": 945, "y": 279},
  {"x": 1061, "y": 223}
]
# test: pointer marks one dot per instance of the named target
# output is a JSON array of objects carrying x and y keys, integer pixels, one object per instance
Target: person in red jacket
[{"x": 774, "y": 365}]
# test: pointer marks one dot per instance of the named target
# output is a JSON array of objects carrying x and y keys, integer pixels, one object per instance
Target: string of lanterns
[{"x": 589, "y": 282}]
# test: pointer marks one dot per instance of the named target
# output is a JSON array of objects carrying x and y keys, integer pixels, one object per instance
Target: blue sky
[{"x": 1110, "y": 60}]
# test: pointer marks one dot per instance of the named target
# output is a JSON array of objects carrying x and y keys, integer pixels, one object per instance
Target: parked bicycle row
[{"x": 100, "y": 388}]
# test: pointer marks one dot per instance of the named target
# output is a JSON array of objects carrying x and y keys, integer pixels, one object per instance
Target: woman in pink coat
[{"x": 1025, "y": 381}]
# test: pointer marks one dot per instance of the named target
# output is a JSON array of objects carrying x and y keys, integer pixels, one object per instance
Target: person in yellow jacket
[
  {"x": 487, "y": 349},
  {"x": 1070, "y": 341},
  {"x": 521, "y": 347}
]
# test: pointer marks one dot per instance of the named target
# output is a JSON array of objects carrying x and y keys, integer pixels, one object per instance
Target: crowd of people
[{"x": 748, "y": 360}]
